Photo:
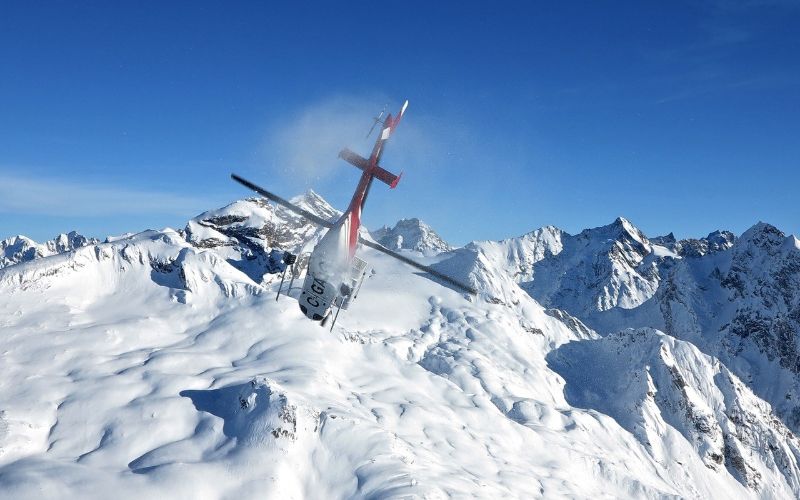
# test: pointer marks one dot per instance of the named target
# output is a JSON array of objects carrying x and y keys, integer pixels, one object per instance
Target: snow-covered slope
[
  {"x": 159, "y": 364},
  {"x": 411, "y": 234},
  {"x": 19, "y": 249}
]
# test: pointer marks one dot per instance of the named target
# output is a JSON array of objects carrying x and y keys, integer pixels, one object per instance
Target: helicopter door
[{"x": 350, "y": 289}]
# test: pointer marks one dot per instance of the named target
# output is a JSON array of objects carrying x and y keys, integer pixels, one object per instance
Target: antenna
[{"x": 376, "y": 120}]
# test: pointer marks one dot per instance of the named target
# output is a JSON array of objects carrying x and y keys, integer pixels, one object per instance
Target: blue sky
[{"x": 680, "y": 116}]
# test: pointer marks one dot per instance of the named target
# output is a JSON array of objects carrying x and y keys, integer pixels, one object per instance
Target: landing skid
[{"x": 289, "y": 260}]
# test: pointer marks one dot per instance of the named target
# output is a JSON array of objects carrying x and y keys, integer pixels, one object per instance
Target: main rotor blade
[
  {"x": 280, "y": 201},
  {"x": 419, "y": 266}
]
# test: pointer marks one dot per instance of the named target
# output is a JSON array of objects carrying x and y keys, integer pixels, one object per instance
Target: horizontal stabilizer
[
  {"x": 354, "y": 159},
  {"x": 378, "y": 172}
]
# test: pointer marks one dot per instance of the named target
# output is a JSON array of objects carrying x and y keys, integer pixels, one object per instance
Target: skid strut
[{"x": 288, "y": 259}]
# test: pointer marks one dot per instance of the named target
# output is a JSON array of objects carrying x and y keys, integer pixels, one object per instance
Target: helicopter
[{"x": 334, "y": 272}]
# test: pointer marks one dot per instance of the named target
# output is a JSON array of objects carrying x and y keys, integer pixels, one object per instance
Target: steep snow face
[
  {"x": 678, "y": 401},
  {"x": 740, "y": 304},
  {"x": 737, "y": 299},
  {"x": 20, "y": 249},
  {"x": 496, "y": 267},
  {"x": 162, "y": 369},
  {"x": 411, "y": 234},
  {"x": 596, "y": 270},
  {"x": 763, "y": 281},
  {"x": 517, "y": 256}
]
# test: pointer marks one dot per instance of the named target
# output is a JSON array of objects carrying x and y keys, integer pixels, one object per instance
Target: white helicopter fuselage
[{"x": 329, "y": 270}]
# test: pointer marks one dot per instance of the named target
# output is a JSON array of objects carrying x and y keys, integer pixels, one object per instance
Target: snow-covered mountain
[
  {"x": 737, "y": 299},
  {"x": 252, "y": 234},
  {"x": 411, "y": 234},
  {"x": 22, "y": 249},
  {"x": 160, "y": 364}
]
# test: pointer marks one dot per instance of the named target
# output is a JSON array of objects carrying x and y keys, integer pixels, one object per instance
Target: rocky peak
[
  {"x": 18, "y": 249},
  {"x": 315, "y": 204},
  {"x": 669, "y": 241},
  {"x": 764, "y": 236},
  {"x": 625, "y": 226},
  {"x": 598, "y": 269},
  {"x": 620, "y": 248},
  {"x": 411, "y": 234},
  {"x": 620, "y": 229},
  {"x": 17, "y": 242},
  {"x": 720, "y": 240},
  {"x": 252, "y": 234},
  {"x": 716, "y": 241},
  {"x": 618, "y": 239},
  {"x": 68, "y": 242}
]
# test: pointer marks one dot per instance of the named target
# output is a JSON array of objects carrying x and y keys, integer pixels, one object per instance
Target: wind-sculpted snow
[
  {"x": 244, "y": 398},
  {"x": 159, "y": 365}
]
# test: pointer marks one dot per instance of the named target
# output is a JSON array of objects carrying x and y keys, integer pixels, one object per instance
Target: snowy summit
[{"x": 411, "y": 234}]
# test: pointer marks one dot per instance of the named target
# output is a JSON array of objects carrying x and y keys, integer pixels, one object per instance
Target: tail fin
[
  {"x": 400, "y": 114},
  {"x": 391, "y": 123}
]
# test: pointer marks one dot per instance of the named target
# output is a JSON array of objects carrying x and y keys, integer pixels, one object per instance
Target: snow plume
[
  {"x": 305, "y": 146},
  {"x": 59, "y": 197}
]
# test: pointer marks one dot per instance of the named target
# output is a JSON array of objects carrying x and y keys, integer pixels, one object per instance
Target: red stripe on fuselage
[
  {"x": 354, "y": 210},
  {"x": 355, "y": 223}
]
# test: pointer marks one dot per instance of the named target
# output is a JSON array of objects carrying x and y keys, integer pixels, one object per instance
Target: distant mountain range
[
  {"x": 602, "y": 363},
  {"x": 18, "y": 249}
]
